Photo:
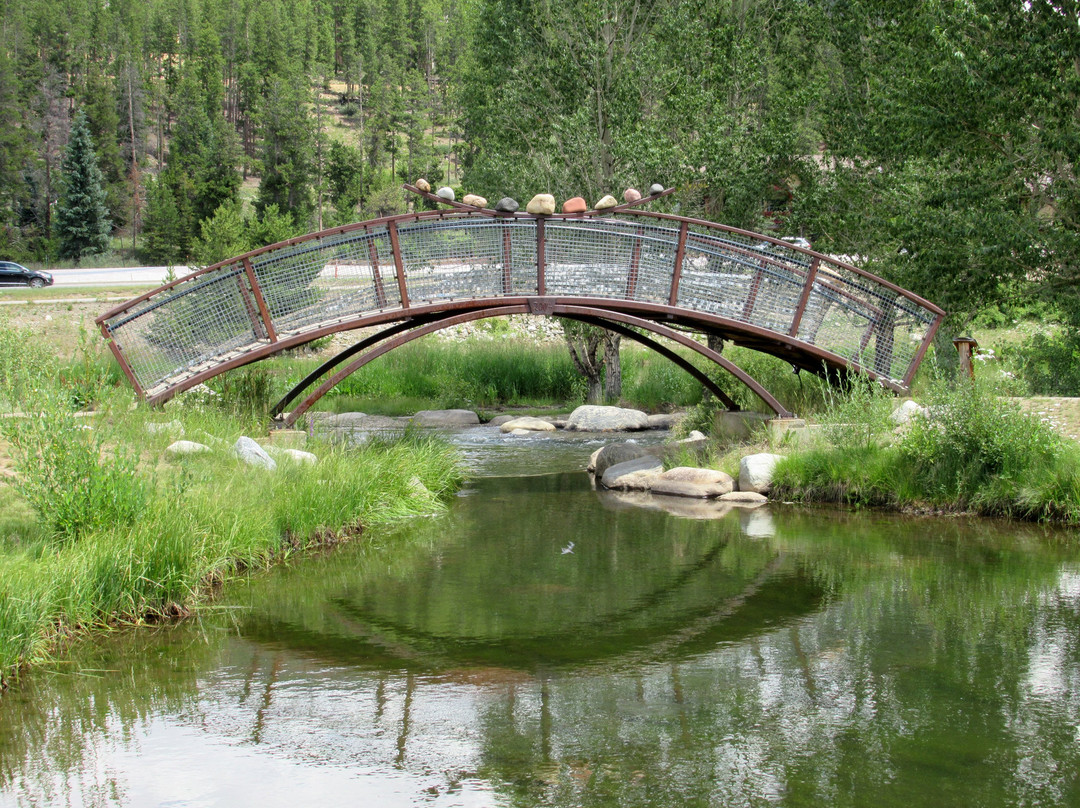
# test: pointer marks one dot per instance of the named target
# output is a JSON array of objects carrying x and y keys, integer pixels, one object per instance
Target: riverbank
[{"x": 104, "y": 520}]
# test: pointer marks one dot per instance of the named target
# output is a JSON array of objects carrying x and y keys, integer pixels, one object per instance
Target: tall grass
[
  {"x": 972, "y": 451},
  {"x": 102, "y": 525}
]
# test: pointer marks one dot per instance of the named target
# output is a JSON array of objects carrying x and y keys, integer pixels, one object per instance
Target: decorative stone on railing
[{"x": 616, "y": 266}]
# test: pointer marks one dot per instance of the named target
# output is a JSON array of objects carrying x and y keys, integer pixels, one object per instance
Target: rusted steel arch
[
  {"x": 419, "y": 330},
  {"x": 388, "y": 345},
  {"x": 608, "y": 318},
  {"x": 596, "y": 317},
  {"x": 753, "y": 290},
  {"x": 337, "y": 359}
]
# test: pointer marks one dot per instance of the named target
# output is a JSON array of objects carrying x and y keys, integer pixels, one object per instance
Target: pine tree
[{"x": 82, "y": 218}]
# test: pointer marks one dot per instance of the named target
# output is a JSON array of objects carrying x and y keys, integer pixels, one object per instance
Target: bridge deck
[{"x": 814, "y": 311}]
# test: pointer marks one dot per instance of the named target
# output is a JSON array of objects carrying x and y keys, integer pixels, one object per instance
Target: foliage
[
  {"x": 972, "y": 451},
  {"x": 122, "y": 534},
  {"x": 82, "y": 218}
]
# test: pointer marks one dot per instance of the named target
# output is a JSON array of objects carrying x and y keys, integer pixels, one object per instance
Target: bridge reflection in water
[{"x": 624, "y": 268}]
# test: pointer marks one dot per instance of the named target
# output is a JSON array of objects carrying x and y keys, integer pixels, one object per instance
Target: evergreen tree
[{"x": 82, "y": 218}]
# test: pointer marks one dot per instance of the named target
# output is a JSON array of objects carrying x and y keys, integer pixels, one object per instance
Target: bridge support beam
[{"x": 393, "y": 337}]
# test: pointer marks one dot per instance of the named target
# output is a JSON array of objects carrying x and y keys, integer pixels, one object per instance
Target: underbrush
[
  {"x": 970, "y": 451},
  {"x": 101, "y": 526}
]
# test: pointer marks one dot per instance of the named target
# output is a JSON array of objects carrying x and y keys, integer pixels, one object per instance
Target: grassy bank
[
  {"x": 98, "y": 525},
  {"x": 972, "y": 451}
]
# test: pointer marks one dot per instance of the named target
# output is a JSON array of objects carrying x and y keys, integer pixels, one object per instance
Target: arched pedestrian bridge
[{"x": 630, "y": 270}]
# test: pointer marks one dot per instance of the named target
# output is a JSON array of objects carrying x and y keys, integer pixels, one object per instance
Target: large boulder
[
  {"x": 446, "y": 418},
  {"x": 250, "y": 452},
  {"x": 687, "y": 481},
  {"x": 756, "y": 472},
  {"x": 637, "y": 474},
  {"x": 593, "y": 418},
  {"x": 613, "y": 454},
  {"x": 528, "y": 423},
  {"x": 499, "y": 420},
  {"x": 665, "y": 420}
]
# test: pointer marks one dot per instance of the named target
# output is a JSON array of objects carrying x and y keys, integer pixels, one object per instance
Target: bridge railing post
[
  {"x": 680, "y": 255},
  {"x": 804, "y": 298},
  {"x": 540, "y": 258},
  {"x": 256, "y": 290}
]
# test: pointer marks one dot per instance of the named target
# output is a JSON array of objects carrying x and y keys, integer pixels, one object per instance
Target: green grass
[
  {"x": 975, "y": 452},
  {"x": 101, "y": 525}
]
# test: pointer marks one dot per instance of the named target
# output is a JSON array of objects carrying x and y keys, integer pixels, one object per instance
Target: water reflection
[{"x": 770, "y": 656}]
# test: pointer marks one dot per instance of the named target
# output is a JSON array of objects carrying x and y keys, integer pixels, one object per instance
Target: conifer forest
[{"x": 935, "y": 143}]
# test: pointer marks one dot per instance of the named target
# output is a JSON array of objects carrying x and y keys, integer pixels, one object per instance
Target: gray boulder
[
  {"x": 593, "y": 418},
  {"x": 664, "y": 420},
  {"x": 499, "y": 420},
  {"x": 615, "y": 453},
  {"x": 250, "y": 452},
  {"x": 446, "y": 418},
  {"x": 637, "y": 474},
  {"x": 756, "y": 472}
]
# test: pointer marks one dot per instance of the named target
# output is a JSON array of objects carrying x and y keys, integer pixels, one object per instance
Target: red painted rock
[
  {"x": 631, "y": 195},
  {"x": 574, "y": 205}
]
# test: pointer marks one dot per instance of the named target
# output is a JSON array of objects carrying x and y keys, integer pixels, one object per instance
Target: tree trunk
[
  {"x": 584, "y": 343},
  {"x": 612, "y": 368}
]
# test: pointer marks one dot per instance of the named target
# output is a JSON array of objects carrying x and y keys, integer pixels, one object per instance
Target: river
[{"x": 545, "y": 644}]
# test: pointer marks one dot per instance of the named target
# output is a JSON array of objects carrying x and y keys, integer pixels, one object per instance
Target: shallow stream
[{"x": 547, "y": 644}]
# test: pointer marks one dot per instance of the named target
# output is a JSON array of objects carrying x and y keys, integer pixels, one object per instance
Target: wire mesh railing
[{"x": 657, "y": 265}]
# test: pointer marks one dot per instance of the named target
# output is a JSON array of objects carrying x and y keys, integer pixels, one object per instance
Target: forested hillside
[{"x": 937, "y": 142}]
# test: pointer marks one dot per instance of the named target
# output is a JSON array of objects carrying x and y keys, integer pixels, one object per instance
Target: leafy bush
[
  {"x": 974, "y": 444},
  {"x": 73, "y": 485}
]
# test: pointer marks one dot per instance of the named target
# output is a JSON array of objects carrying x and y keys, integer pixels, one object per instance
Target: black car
[{"x": 12, "y": 274}]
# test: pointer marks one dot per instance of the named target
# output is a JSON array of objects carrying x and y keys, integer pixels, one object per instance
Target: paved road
[{"x": 116, "y": 276}]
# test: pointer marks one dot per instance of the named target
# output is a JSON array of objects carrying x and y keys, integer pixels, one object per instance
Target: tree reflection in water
[{"x": 806, "y": 659}]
